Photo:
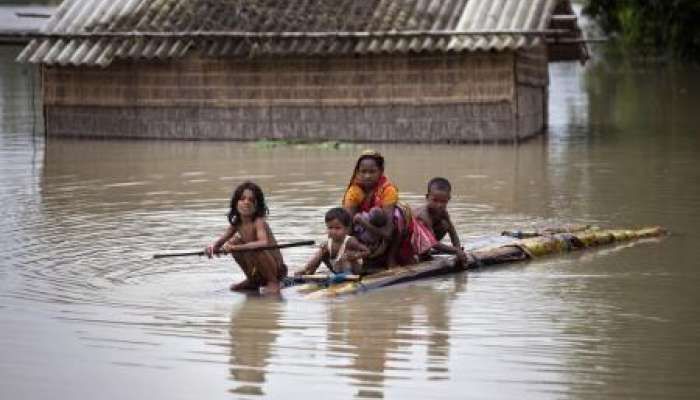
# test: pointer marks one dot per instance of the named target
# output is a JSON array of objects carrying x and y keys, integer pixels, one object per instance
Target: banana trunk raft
[{"x": 512, "y": 246}]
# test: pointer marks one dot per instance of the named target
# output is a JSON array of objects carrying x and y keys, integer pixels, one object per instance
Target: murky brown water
[{"x": 86, "y": 313}]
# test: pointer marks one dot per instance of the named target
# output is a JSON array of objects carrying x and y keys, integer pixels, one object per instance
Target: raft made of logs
[{"x": 510, "y": 248}]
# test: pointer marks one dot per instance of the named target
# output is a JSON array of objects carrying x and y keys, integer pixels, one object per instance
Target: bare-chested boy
[{"x": 435, "y": 217}]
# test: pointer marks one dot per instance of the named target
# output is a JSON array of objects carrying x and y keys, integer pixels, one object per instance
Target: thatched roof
[{"x": 96, "y": 32}]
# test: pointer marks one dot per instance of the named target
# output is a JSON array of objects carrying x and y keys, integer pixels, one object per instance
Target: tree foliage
[{"x": 653, "y": 26}]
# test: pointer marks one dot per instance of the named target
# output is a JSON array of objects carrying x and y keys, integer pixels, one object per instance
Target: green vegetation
[
  {"x": 301, "y": 144},
  {"x": 652, "y": 27}
]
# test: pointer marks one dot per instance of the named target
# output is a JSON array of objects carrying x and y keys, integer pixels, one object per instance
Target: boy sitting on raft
[
  {"x": 342, "y": 253},
  {"x": 432, "y": 223}
]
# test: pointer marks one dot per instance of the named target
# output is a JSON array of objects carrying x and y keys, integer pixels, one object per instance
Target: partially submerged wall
[
  {"x": 532, "y": 84},
  {"x": 412, "y": 98}
]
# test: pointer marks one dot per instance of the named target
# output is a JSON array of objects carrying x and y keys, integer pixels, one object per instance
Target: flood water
[{"x": 85, "y": 312}]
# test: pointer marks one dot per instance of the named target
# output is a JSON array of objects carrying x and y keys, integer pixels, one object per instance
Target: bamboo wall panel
[
  {"x": 531, "y": 113},
  {"x": 466, "y": 122},
  {"x": 413, "y": 98},
  {"x": 411, "y": 79},
  {"x": 532, "y": 67}
]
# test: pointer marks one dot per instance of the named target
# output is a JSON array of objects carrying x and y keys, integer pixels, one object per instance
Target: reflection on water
[
  {"x": 82, "y": 219},
  {"x": 254, "y": 327},
  {"x": 388, "y": 328},
  {"x": 364, "y": 347}
]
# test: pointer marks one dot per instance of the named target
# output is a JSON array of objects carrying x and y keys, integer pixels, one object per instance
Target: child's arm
[
  {"x": 456, "y": 247},
  {"x": 446, "y": 248},
  {"x": 315, "y": 261},
  {"x": 214, "y": 247},
  {"x": 355, "y": 250},
  {"x": 454, "y": 238}
]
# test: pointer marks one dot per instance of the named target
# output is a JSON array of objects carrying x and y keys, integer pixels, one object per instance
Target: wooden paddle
[{"x": 271, "y": 247}]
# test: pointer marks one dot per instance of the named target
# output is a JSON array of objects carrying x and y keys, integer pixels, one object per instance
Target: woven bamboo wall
[
  {"x": 329, "y": 81},
  {"x": 531, "y": 116},
  {"x": 409, "y": 98},
  {"x": 532, "y": 77},
  {"x": 532, "y": 67},
  {"x": 467, "y": 122}
]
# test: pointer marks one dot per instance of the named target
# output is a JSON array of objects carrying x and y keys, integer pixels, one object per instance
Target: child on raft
[
  {"x": 248, "y": 230},
  {"x": 341, "y": 253},
  {"x": 432, "y": 222},
  {"x": 370, "y": 229}
]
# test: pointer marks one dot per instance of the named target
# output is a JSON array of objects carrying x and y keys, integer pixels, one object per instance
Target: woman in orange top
[{"x": 370, "y": 188}]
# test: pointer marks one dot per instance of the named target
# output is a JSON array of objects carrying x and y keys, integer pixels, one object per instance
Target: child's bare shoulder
[
  {"x": 260, "y": 221},
  {"x": 445, "y": 217},
  {"x": 422, "y": 213},
  {"x": 323, "y": 246}
]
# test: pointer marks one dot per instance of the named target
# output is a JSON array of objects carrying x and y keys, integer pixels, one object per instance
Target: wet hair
[
  {"x": 439, "y": 183},
  {"x": 260, "y": 206},
  {"x": 340, "y": 214},
  {"x": 377, "y": 217}
]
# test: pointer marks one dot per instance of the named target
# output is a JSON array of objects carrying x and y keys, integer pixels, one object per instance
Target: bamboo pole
[{"x": 221, "y": 252}]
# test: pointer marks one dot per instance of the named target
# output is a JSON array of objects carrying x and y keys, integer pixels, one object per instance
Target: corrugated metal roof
[{"x": 76, "y": 34}]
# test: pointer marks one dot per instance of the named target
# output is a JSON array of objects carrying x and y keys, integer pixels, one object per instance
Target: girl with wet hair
[{"x": 248, "y": 229}]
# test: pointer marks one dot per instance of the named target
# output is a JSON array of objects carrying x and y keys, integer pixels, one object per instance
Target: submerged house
[{"x": 354, "y": 70}]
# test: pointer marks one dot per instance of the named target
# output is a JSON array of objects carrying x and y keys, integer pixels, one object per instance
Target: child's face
[
  {"x": 437, "y": 200},
  {"x": 368, "y": 173},
  {"x": 336, "y": 230},
  {"x": 246, "y": 204}
]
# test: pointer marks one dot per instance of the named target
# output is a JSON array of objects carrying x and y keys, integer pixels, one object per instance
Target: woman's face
[
  {"x": 368, "y": 173},
  {"x": 246, "y": 204}
]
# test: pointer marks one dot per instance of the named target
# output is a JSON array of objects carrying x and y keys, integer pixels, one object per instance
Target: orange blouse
[{"x": 384, "y": 194}]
